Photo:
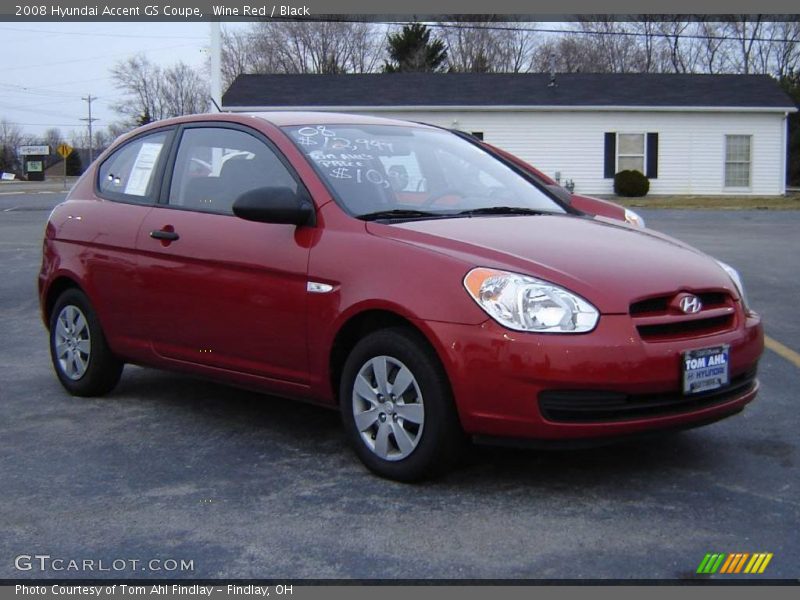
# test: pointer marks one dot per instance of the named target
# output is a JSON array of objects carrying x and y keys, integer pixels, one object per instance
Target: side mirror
[{"x": 280, "y": 205}]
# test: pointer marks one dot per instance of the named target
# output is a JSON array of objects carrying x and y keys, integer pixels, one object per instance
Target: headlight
[
  {"x": 634, "y": 218},
  {"x": 737, "y": 281},
  {"x": 525, "y": 303}
]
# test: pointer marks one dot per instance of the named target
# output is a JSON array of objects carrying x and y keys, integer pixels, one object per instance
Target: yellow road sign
[{"x": 64, "y": 150}]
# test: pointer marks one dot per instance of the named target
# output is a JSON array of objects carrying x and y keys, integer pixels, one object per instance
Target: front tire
[
  {"x": 82, "y": 360},
  {"x": 397, "y": 406}
]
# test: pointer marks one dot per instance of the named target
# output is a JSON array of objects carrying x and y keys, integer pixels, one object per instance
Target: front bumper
[{"x": 501, "y": 378}]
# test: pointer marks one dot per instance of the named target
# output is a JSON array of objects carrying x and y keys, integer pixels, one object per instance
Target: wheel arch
[
  {"x": 58, "y": 286},
  {"x": 362, "y": 324}
]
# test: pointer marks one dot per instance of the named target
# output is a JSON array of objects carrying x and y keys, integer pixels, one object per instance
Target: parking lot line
[{"x": 784, "y": 351}]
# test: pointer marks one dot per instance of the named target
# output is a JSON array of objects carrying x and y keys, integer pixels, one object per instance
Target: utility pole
[
  {"x": 89, "y": 121},
  {"x": 216, "y": 63}
]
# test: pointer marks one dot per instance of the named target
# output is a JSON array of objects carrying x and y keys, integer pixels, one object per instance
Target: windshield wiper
[
  {"x": 397, "y": 213},
  {"x": 504, "y": 210}
]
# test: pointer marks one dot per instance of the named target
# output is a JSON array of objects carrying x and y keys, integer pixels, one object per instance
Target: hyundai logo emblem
[{"x": 691, "y": 304}]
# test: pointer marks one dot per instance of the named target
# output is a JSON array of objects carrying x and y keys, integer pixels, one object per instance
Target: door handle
[{"x": 160, "y": 234}]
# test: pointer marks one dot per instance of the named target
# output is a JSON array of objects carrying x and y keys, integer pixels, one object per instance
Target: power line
[
  {"x": 90, "y": 58},
  {"x": 56, "y": 83},
  {"x": 114, "y": 35},
  {"x": 31, "y": 106},
  {"x": 20, "y": 89},
  {"x": 721, "y": 38},
  {"x": 42, "y": 124},
  {"x": 51, "y": 113}
]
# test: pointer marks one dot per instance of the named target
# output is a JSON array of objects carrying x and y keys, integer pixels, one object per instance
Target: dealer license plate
[{"x": 705, "y": 369}]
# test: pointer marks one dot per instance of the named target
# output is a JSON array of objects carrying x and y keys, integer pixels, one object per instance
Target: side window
[
  {"x": 128, "y": 174},
  {"x": 216, "y": 165}
]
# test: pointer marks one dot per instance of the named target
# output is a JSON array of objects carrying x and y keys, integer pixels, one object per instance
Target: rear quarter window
[{"x": 129, "y": 174}]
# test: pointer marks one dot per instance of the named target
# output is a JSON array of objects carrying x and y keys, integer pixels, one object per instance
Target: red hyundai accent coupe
[{"x": 424, "y": 287}]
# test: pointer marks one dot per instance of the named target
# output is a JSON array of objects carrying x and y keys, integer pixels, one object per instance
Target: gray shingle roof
[{"x": 500, "y": 89}]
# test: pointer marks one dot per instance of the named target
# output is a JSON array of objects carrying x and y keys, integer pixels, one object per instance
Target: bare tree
[
  {"x": 741, "y": 44},
  {"x": 185, "y": 91},
  {"x": 603, "y": 45},
  {"x": 142, "y": 84},
  {"x": 683, "y": 52},
  {"x": 11, "y": 137},
  {"x": 778, "y": 50},
  {"x": 237, "y": 55},
  {"x": 472, "y": 46},
  {"x": 571, "y": 53},
  {"x": 153, "y": 93},
  {"x": 316, "y": 47},
  {"x": 53, "y": 137},
  {"x": 712, "y": 52},
  {"x": 367, "y": 50},
  {"x": 102, "y": 139},
  {"x": 119, "y": 128},
  {"x": 650, "y": 43},
  {"x": 302, "y": 47},
  {"x": 516, "y": 47},
  {"x": 746, "y": 31},
  {"x": 478, "y": 43}
]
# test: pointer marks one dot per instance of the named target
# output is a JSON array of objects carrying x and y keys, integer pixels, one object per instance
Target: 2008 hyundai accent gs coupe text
[{"x": 429, "y": 290}]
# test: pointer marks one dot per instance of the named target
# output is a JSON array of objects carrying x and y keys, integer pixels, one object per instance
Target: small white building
[{"x": 690, "y": 134}]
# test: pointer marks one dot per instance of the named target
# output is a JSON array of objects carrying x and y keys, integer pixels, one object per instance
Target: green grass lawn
[{"x": 789, "y": 202}]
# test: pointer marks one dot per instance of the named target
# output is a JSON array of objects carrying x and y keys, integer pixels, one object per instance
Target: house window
[
  {"x": 630, "y": 152},
  {"x": 637, "y": 151},
  {"x": 737, "y": 160}
]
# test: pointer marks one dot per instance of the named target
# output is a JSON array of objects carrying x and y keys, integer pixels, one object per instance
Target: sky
[{"x": 46, "y": 68}]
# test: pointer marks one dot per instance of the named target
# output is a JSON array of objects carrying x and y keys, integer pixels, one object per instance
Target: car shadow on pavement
[{"x": 287, "y": 432}]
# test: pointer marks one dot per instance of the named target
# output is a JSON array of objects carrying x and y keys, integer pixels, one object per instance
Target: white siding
[{"x": 691, "y": 144}]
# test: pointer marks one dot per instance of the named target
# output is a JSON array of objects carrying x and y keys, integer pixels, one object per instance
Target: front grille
[
  {"x": 596, "y": 406},
  {"x": 659, "y": 319},
  {"x": 693, "y": 328},
  {"x": 660, "y": 304}
]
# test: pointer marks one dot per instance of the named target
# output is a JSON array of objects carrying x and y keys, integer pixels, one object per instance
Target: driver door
[{"x": 225, "y": 293}]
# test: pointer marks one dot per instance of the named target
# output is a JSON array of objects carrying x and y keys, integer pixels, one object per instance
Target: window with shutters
[{"x": 631, "y": 152}]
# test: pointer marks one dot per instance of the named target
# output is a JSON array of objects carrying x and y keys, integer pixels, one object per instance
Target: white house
[{"x": 690, "y": 134}]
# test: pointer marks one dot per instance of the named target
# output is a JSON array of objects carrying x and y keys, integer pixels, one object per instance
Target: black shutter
[
  {"x": 652, "y": 156},
  {"x": 610, "y": 155}
]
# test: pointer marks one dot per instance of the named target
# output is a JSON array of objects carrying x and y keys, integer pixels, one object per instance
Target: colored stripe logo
[{"x": 738, "y": 562}]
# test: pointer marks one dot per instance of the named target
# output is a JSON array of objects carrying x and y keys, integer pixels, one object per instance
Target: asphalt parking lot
[{"x": 247, "y": 486}]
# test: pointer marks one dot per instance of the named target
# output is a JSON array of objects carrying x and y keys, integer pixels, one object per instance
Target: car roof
[{"x": 284, "y": 118}]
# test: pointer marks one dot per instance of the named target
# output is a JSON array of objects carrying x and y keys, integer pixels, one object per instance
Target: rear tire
[
  {"x": 82, "y": 360},
  {"x": 397, "y": 407}
]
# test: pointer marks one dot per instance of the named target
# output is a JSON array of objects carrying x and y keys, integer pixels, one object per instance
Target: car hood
[{"x": 609, "y": 264}]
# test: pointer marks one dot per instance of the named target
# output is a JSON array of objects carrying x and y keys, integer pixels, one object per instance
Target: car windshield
[{"x": 407, "y": 172}]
